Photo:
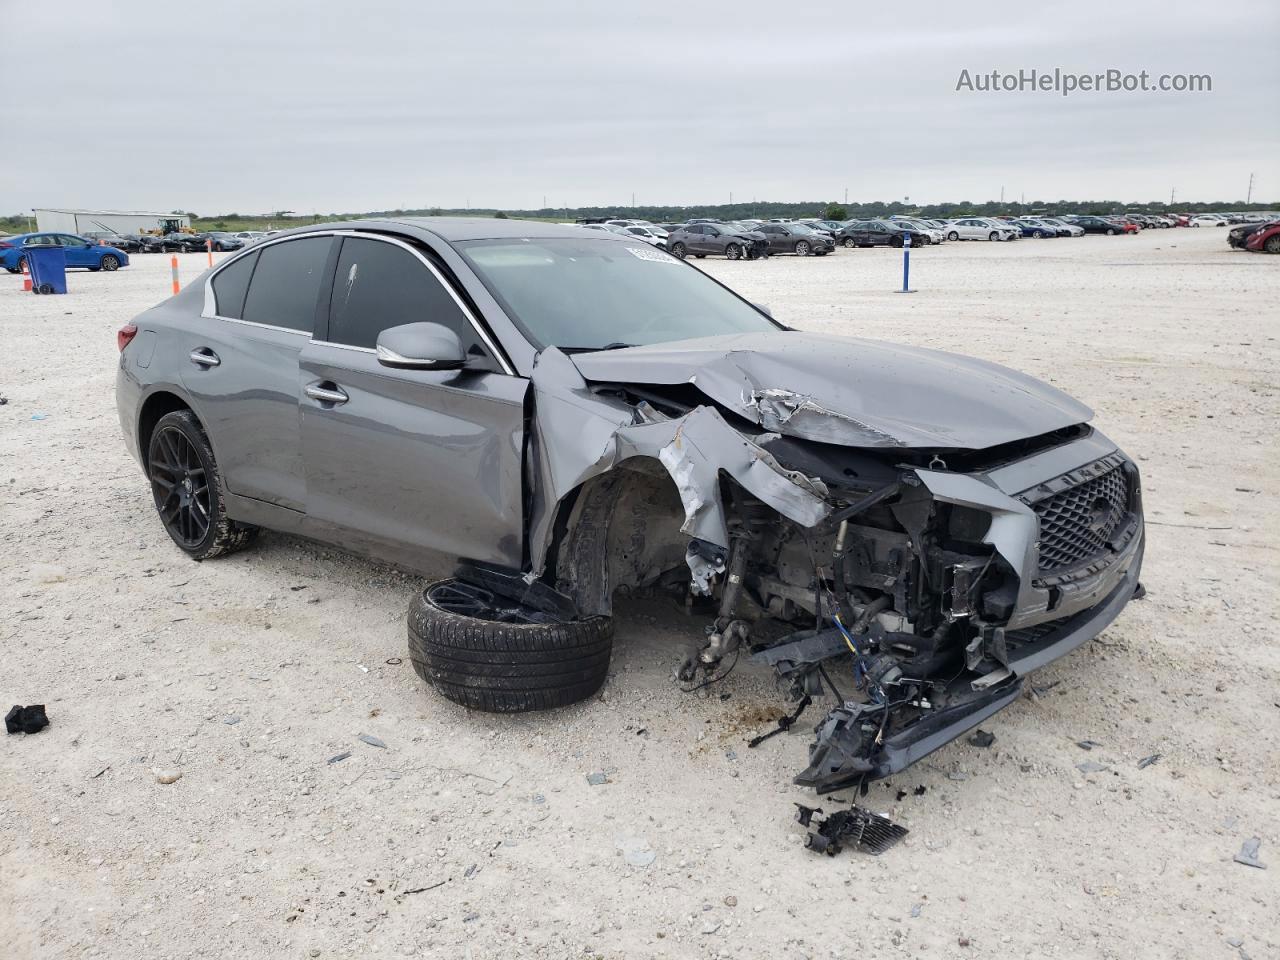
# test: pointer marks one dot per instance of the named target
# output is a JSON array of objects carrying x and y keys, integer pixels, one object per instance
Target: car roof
[{"x": 456, "y": 229}]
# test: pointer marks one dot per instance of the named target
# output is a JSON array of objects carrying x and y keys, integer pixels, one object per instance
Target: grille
[{"x": 1077, "y": 523}]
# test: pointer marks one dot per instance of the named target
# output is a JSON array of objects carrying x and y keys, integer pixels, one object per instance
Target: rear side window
[
  {"x": 379, "y": 285},
  {"x": 230, "y": 285},
  {"x": 286, "y": 284}
]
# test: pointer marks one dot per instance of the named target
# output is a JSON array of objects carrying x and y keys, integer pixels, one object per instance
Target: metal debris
[
  {"x": 1148, "y": 761},
  {"x": 1087, "y": 744},
  {"x": 982, "y": 739},
  {"x": 340, "y": 757},
  {"x": 371, "y": 741},
  {"x": 1091, "y": 766},
  {"x": 853, "y": 827},
  {"x": 596, "y": 779}
]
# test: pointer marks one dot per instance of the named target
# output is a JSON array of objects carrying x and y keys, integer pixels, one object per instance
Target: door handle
[
  {"x": 204, "y": 357},
  {"x": 330, "y": 394}
]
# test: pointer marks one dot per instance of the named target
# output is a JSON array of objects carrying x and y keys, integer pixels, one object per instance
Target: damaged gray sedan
[{"x": 570, "y": 416}]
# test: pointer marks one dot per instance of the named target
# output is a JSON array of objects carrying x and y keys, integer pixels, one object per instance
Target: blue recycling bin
[{"x": 48, "y": 266}]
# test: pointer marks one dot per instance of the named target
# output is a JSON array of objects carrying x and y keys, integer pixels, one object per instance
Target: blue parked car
[
  {"x": 80, "y": 252},
  {"x": 1034, "y": 228}
]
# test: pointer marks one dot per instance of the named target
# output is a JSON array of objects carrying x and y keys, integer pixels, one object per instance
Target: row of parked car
[
  {"x": 178, "y": 242},
  {"x": 753, "y": 239}
]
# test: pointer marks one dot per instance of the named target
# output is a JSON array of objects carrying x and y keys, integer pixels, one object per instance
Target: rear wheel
[
  {"x": 187, "y": 489},
  {"x": 110, "y": 262},
  {"x": 733, "y": 251},
  {"x": 488, "y": 653},
  {"x": 678, "y": 250},
  {"x": 1111, "y": 231}
]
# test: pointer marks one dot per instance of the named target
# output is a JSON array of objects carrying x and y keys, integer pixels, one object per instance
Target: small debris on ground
[
  {"x": 596, "y": 779},
  {"x": 982, "y": 739},
  {"x": 1087, "y": 744},
  {"x": 1148, "y": 761},
  {"x": 920, "y": 790},
  {"x": 1091, "y": 766},
  {"x": 231, "y": 719},
  {"x": 957, "y": 776},
  {"x": 371, "y": 741},
  {"x": 168, "y": 776},
  {"x": 30, "y": 719},
  {"x": 341, "y": 756},
  {"x": 915, "y": 910},
  {"x": 853, "y": 827},
  {"x": 635, "y": 851},
  {"x": 1248, "y": 854}
]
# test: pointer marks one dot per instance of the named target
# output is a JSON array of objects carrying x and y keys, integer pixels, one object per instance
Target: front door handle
[
  {"x": 204, "y": 357},
  {"x": 326, "y": 394}
]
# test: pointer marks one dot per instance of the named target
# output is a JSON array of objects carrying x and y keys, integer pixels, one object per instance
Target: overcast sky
[{"x": 351, "y": 106}]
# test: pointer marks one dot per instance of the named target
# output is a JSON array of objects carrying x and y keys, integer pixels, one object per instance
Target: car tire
[
  {"x": 22, "y": 261},
  {"x": 110, "y": 262},
  {"x": 1110, "y": 232},
  {"x": 185, "y": 481},
  {"x": 700, "y": 256},
  {"x": 504, "y": 665},
  {"x": 993, "y": 236},
  {"x": 678, "y": 250},
  {"x": 801, "y": 248},
  {"x": 849, "y": 243},
  {"x": 953, "y": 235},
  {"x": 1037, "y": 234},
  {"x": 1272, "y": 244},
  {"x": 733, "y": 251}
]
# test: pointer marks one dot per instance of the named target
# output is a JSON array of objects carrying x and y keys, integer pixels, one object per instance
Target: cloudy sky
[{"x": 352, "y": 106}]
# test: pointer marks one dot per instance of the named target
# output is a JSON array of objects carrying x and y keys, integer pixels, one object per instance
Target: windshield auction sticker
[{"x": 650, "y": 253}]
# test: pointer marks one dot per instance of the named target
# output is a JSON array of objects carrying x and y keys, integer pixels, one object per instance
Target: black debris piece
[
  {"x": 1140, "y": 591},
  {"x": 982, "y": 739},
  {"x": 1087, "y": 744},
  {"x": 1248, "y": 854},
  {"x": 784, "y": 723},
  {"x": 30, "y": 719},
  {"x": 853, "y": 827},
  {"x": 394, "y": 661},
  {"x": 1148, "y": 761},
  {"x": 902, "y": 794},
  {"x": 920, "y": 790},
  {"x": 339, "y": 757}
]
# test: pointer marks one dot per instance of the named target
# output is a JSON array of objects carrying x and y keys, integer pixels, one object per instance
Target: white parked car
[
  {"x": 655, "y": 235},
  {"x": 1208, "y": 220},
  {"x": 981, "y": 228},
  {"x": 1071, "y": 228},
  {"x": 935, "y": 234}
]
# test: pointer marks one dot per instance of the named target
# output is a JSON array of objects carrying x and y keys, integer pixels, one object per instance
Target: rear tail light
[{"x": 125, "y": 335}]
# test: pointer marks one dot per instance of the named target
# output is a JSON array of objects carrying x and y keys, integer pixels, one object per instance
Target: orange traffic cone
[{"x": 26, "y": 277}]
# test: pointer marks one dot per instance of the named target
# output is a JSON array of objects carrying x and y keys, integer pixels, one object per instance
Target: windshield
[{"x": 592, "y": 294}]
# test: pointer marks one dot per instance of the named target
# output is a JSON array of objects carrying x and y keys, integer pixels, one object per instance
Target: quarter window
[
  {"x": 230, "y": 284},
  {"x": 379, "y": 285},
  {"x": 286, "y": 284}
]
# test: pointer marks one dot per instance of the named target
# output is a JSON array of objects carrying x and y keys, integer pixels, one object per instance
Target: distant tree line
[{"x": 762, "y": 209}]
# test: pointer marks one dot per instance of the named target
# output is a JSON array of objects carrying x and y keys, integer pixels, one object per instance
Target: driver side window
[{"x": 379, "y": 285}]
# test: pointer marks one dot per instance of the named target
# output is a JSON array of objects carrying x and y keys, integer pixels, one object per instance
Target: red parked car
[{"x": 1266, "y": 240}]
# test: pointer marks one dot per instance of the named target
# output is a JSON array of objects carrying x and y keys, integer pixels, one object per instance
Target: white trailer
[{"x": 108, "y": 221}]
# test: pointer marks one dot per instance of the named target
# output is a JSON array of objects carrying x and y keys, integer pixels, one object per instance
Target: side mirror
[{"x": 420, "y": 346}]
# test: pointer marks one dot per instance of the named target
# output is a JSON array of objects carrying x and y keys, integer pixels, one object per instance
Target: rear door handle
[
  {"x": 325, "y": 394},
  {"x": 204, "y": 357}
]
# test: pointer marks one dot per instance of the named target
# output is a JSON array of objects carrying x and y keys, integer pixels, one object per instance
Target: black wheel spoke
[{"x": 180, "y": 483}]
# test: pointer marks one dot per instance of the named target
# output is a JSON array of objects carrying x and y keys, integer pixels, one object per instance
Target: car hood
[{"x": 849, "y": 391}]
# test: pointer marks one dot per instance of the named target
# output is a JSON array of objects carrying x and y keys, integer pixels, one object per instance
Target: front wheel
[
  {"x": 849, "y": 243},
  {"x": 993, "y": 236},
  {"x": 187, "y": 489},
  {"x": 678, "y": 250},
  {"x": 953, "y": 235},
  {"x": 802, "y": 248},
  {"x": 1037, "y": 234},
  {"x": 110, "y": 262},
  {"x": 733, "y": 251},
  {"x": 489, "y": 653}
]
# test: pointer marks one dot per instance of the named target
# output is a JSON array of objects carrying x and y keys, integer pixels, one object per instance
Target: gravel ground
[{"x": 479, "y": 836}]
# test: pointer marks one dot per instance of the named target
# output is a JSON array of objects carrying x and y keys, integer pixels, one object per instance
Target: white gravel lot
[{"x": 478, "y": 836}]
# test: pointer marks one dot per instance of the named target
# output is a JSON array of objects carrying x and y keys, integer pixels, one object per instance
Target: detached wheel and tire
[
  {"x": 488, "y": 653},
  {"x": 733, "y": 251},
  {"x": 187, "y": 489}
]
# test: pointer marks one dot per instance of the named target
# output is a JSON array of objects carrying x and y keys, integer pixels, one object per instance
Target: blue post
[{"x": 906, "y": 264}]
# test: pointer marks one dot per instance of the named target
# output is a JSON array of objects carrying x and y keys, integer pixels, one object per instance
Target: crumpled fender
[{"x": 578, "y": 434}]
